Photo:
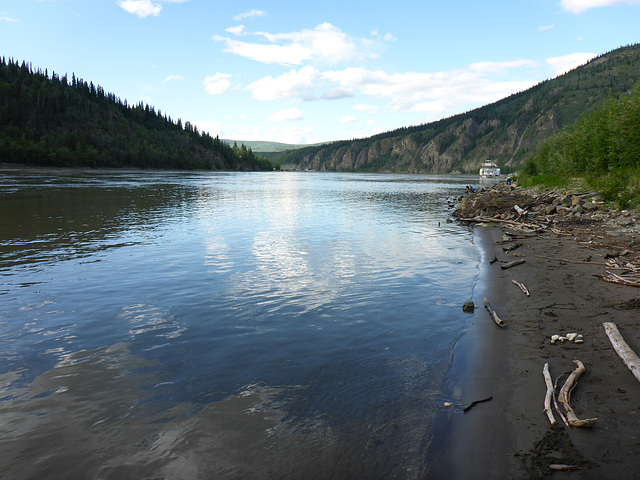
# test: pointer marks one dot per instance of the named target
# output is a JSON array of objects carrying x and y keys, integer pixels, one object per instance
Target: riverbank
[{"x": 565, "y": 259}]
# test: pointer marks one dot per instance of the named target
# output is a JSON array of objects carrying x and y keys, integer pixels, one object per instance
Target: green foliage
[
  {"x": 602, "y": 147},
  {"x": 548, "y": 180},
  {"x": 54, "y": 122}
]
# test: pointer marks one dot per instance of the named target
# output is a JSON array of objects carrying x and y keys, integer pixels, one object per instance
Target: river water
[{"x": 227, "y": 325}]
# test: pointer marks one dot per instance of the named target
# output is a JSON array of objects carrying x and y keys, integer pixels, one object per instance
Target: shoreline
[{"x": 510, "y": 436}]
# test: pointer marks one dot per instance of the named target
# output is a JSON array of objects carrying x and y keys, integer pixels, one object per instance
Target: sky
[{"x": 308, "y": 72}]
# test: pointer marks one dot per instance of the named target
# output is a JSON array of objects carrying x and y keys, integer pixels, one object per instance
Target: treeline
[
  {"x": 603, "y": 148},
  {"x": 53, "y": 121}
]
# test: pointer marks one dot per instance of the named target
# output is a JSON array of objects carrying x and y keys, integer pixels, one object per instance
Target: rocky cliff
[{"x": 507, "y": 131}]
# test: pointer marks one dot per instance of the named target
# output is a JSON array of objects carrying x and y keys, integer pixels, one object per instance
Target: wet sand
[{"x": 510, "y": 437}]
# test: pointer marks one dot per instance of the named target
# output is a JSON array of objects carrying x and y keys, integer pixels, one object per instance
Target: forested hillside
[
  {"x": 508, "y": 131},
  {"x": 603, "y": 148},
  {"x": 54, "y": 121}
]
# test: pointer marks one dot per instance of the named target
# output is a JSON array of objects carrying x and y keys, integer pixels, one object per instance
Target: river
[{"x": 272, "y": 325}]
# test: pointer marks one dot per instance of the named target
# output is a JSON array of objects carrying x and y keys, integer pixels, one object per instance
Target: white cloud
[
  {"x": 337, "y": 94},
  {"x": 424, "y": 92},
  {"x": 172, "y": 78},
  {"x": 235, "y": 30},
  {"x": 325, "y": 43},
  {"x": 141, "y": 8},
  {"x": 144, "y": 8},
  {"x": 288, "y": 55},
  {"x": 580, "y": 6},
  {"x": 563, "y": 64},
  {"x": 286, "y": 115},
  {"x": 544, "y": 28},
  {"x": 348, "y": 119},
  {"x": 292, "y": 85},
  {"x": 217, "y": 84},
  {"x": 251, "y": 13}
]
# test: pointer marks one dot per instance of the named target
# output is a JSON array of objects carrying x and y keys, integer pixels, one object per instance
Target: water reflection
[
  {"x": 85, "y": 419},
  {"x": 226, "y": 325},
  {"x": 49, "y": 219}
]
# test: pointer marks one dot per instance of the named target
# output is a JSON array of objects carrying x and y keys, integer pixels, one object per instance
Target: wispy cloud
[
  {"x": 290, "y": 114},
  {"x": 438, "y": 92},
  {"x": 544, "y": 28},
  {"x": 217, "y": 84},
  {"x": 251, "y": 13},
  {"x": 237, "y": 30},
  {"x": 4, "y": 17},
  {"x": 565, "y": 63},
  {"x": 580, "y": 6},
  {"x": 172, "y": 78},
  {"x": 325, "y": 43}
]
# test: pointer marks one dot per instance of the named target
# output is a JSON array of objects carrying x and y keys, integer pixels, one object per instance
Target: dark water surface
[{"x": 233, "y": 325}]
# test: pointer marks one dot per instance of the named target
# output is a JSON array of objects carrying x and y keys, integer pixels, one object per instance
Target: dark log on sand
[
  {"x": 565, "y": 398},
  {"x": 493, "y": 314},
  {"x": 628, "y": 356}
]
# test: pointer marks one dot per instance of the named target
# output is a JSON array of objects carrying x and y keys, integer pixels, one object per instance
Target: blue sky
[{"x": 306, "y": 72}]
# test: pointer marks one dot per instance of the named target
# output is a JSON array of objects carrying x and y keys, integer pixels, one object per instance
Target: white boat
[{"x": 489, "y": 169}]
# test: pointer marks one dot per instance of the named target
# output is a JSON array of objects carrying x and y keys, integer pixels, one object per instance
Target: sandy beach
[{"x": 509, "y": 436}]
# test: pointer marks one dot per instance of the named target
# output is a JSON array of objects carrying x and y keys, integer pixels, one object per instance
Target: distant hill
[
  {"x": 270, "y": 147},
  {"x": 54, "y": 121},
  {"x": 507, "y": 131}
]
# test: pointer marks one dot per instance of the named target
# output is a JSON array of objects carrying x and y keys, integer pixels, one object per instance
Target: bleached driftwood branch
[
  {"x": 613, "y": 278},
  {"x": 511, "y": 223},
  {"x": 549, "y": 395},
  {"x": 493, "y": 314},
  {"x": 524, "y": 289},
  {"x": 565, "y": 398},
  {"x": 628, "y": 356}
]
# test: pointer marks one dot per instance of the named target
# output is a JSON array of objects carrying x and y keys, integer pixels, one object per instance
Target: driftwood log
[
  {"x": 511, "y": 247},
  {"x": 613, "y": 278},
  {"x": 628, "y": 356},
  {"x": 549, "y": 395},
  {"x": 561, "y": 466},
  {"x": 493, "y": 314},
  {"x": 524, "y": 289},
  {"x": 564, "y": 397},
  {"x": 511, "y": 223},
  {"x": 555, "y": 400},
  {"x": 512, "y": 264}
]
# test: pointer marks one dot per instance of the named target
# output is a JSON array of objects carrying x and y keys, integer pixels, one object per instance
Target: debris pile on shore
[{"x": 583, "y": 215}]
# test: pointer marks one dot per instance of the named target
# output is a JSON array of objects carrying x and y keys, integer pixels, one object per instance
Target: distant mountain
[
  {"x": 507, "y": 131},
  {"x": 55, "y": 121}
]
